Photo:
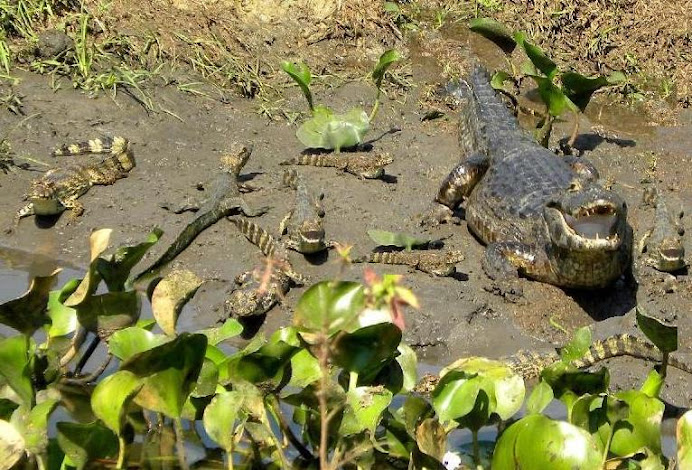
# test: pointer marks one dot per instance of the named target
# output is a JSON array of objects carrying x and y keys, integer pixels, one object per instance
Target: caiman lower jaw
[{"x": 594, "y": 228}]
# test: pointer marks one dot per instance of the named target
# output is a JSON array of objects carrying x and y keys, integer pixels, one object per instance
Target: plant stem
[
  {"x": 352, "y": 380},
  {"x": 376, "y": 106},
  {"x": 122, "y": 448},
  {"x": 575, "y": 130},
  {"x": 607, "y": 446},
  {"x": 229, "y": 456},
  {"x": 273, "y": 406},
  {"x": 87, "y": 354},
  {"x": 322, "y": 398},
  {"x": 180, "y": 443},
  {"x": 40, "y": 463},
  {"x": 476, "y": 448}
]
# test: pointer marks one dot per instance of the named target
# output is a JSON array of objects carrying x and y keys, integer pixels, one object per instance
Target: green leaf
[
  {"x": 536, "y": 441},
  {"x": 537, "y": 56},
  {"x": 207, "y": 380},
  {"x": 366, "y": 350},
  {"x": 84, "y": 443},
  {"x": 98, "y": 242},
  {"x": 578, "y": 346},
  {"x": 263, "y": 364},
  {"x": 26, "y": 314},
  {"x": 643, "y": 425},
  {"x": 553, "y": 96},
  {"x": 653, "y": 384},
  {"x": 455, "y": 395},
  {"x": 413, "y": 412},
  {"x": 15, "y": 366},
  {"x": 170, "y": 372},
  {"x": 385, "y": 61},
  {"x": 616, "y": 78},
  {"x": 300, "y": 73},
  {"x": 170, "y": 296},
  {"x": 503, "y": 388},
  {"x": 409, "y": 366},
  {"x": 334, "y": 131},
  {"x": 116, "y": 268},
  {"x": 579, "y": 88},
  {"x": 107, "y": 313},
  {"x": 365, "y": 406},
  {"x": 127, "y": 342},
  {"x": 495, "y": 31},
  {"x": 663, "y": 336},
  {"x": 402, "y": 240},
  {"x": 111, "y": 397},
  {"x": 220, "y": 418},
  {"x": 684, "y": 438},
  {"x": 11, "y": 445},
  {"x": 33, "y": 424},
  {"x": 540, "y": 397},
  {"x": 63, "y": 319},
  {"x": 331, "y": 304},
  {"x": 305, "y": 369},
  {"x": 230, "y": 329},
  {"x": 498, "y": 80}
]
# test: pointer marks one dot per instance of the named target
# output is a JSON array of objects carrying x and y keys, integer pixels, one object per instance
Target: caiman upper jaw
[{"x": 595, "y": 226}]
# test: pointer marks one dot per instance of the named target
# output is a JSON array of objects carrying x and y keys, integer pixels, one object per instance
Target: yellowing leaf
[{"x": 171, "y": 295}]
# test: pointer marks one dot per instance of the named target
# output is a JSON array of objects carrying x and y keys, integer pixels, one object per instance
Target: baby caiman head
[
  {"x": 310, "y": 237},
  {"x": 588, "y": 218}
]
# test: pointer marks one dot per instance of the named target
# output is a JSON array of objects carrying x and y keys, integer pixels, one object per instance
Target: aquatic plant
[
  {"x": 327, "y": 129},
  {"x": 334, "y": 390}
]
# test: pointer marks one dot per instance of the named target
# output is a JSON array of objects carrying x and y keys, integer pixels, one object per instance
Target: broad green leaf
[
  {"x": 334, "y": 131},
  {"x": 85, "y": 443},
  {"x": 365, "y": 406},
  {"x": 536, "y": 441},
  {"x": 300, "y": 73},
  {"x": 578, "y": 346},
  {"x": 537, "y": 56},
  {"x": 332, "y": 305},
  {"x": 127, "y": 342},
  {"x": 63, "y": 319},
  {"x": 498, "y": 80},
  {"x": 111, "y": 397},
  {"x": 432, "y": 438},
  {"x": 33, "y": 424},
  {"x": 107, "y": 313},
  {"x": 652, "y": 385},
  {"x": 15, "y": 365},
  {"x": 455, "y": 395},
  {"x": 567, "y": 380},
  {"x": 553, "y": 96},
  {"x": 540, "y": 397},
  {"x": 170, "y": 372},
  {"x": 616, "y": 78},
  {"x": 495, "y": 31},
  {"x": 98, "y": 242},
  {"x": 409, "y": 366},
  {"x": 414, "y": 410},
  {"x": 504, "y": 388},
  {"x": 263, "y": 364},
  {"x": 11, "y": 445},
  {"x": 385, "y": 61},
  {"x": 171, "y": 295},
  {"x": 115, "y": 269},
  {"x": 663, "y": 336},
  {"x": 643, "y": 425},
  {"x": 26, "y": 314},
  {"x": 207, "y": 380},
  {"x": 220, "y": 418},
  {"x": 305, "y": 369},
  {"x": 366, "y": 350},
  {"x": 684, "y": 437},
  {"x": 402, "y": 240},
  {"x": 579, "y": 88},
  {"x": 230, "y": 329}
]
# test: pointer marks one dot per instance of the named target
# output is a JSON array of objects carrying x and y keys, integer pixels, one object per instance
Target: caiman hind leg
[
  {"x": 75, "y": 207},
  {"x": 456, "y": 186}
]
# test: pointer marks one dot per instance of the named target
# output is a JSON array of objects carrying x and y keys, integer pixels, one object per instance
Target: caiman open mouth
[{"x": 595, "y": 226}]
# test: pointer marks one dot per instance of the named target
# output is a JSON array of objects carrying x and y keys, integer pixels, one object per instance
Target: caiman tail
[{"x": 114, "y": 146}]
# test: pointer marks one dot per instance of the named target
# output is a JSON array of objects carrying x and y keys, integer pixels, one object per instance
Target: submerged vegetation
[{"x": 337, "y": 389}]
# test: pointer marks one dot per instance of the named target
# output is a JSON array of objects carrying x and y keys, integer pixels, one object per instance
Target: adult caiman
[{"x": 542, "y": 216}]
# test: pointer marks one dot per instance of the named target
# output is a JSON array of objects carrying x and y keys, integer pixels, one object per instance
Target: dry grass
[{"x": 652, "y": 38}]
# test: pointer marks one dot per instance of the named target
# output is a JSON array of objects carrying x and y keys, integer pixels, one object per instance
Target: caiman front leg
[
  {"x": 506, "y": 260},
  {"x": 456, "y": 186},
  {"x": 76, "y": 209}
]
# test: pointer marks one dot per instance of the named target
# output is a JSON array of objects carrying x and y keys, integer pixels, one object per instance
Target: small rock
[{"x": 52, "y": 43}]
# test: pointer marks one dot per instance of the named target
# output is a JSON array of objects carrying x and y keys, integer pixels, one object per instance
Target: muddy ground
[{"x": 178, "y": 149}]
